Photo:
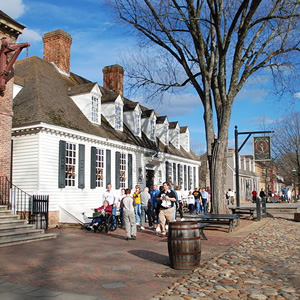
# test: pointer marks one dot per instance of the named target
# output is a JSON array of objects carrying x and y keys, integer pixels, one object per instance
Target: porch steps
[{"x": 14, "y": 231}]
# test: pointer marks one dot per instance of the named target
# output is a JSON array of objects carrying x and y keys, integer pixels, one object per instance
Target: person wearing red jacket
[{"x": 105, "y": 209}]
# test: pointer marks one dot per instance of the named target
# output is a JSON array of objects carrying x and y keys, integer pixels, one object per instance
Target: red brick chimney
[
  {"x": 10, "y": 29},
  {"x": 231, "y": 150},
  {"x": 57, "y": 47},
  {"x": 113, "y": 78}
]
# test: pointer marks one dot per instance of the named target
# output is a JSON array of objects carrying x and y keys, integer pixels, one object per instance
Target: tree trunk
[{"x": 217, "y": 148}]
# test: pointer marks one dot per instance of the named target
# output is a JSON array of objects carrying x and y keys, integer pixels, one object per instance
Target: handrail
[{"x": 15, "y": 198}]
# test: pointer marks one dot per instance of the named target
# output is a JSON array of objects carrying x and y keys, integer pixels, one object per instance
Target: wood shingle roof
[{"x": 45, "y": 97}]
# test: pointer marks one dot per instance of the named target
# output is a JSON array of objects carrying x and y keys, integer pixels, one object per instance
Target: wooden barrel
[{"x": 184, "y": 245}]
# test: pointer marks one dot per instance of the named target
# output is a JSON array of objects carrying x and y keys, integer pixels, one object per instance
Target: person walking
[
  {"x": 190, "y": 202},
  {"x": 110, "y": 196},
  {"x": 137, "y": 198},
  {"x": 204, "y": 198},
  {"x": 254, "y": 195},
  {"x": 154, "y": 193},
  {"x": 176, "y": 202},
  {"x": 145, "y": 211},
  {"x": 166, "y": 213},
  {"x": 231, "y": 196},
  {"x": 128, "y": 205},
  {"x": 197, "y": 195},
  {"x": 179, "y": 203}
]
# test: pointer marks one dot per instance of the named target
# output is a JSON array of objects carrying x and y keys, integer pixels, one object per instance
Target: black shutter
[
  {"x": 189, "y": 178},
  {"x": 178, "y": 175},
  {"x": 185, "y": 177},
  {"x": 81, "y": 163},
  {"x": 195, "y": 183},
  {"x": 108, "y": 167},
  {"x": 93, "y": 167},
  {"x": 174, "y": 174},
  {"x": 118, "y": 162},
  {"x": 130, "y": 171},
  {"x": 62, "y": 165},
  {"x": 167, "y": 171}
]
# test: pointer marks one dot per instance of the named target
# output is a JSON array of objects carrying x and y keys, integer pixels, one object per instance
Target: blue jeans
[
  {"x": 138, "y": 212},
  {"x": 198, "y": 206},
  {"x": 114, "y": 212},
  {"x": 204, "y": 204}
]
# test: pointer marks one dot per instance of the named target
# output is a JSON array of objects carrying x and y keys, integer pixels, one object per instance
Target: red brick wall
[
  {"x": 113, "y": 78},
  {"x": 6, "y": 103},
  {"x": 57, "y": 48}
]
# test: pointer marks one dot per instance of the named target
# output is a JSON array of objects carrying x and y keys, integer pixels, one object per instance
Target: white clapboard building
[{"x": 72, "y": 136}]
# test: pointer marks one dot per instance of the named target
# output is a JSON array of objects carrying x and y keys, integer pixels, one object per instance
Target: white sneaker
[
  {"x": 143, "y": 228},
  {"x": 158, "y": 229},
  {"x": 138, "y": 224},
  {"x": 167, "y": 227},
  {"x": 182, "y": 219},
  {"x": 151, "y": 227}
]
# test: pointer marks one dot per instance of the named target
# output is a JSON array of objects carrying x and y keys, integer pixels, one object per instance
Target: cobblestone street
[{"x": 263, "y": 266}]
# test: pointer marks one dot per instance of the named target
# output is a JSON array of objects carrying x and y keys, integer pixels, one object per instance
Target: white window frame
[
  {"x": 137, "y": 123},
  {"x": 123, "y": 169},
  {"x": 152, "y": 130},
  {"x": 71, "y": 159},
  {"x": 165, "y": 133},
  {"x": 95, "y": 109},
  {"x": 99, "y": 167}
]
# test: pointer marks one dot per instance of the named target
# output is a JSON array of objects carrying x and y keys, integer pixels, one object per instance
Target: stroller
[{"x": 102, "y": 221}]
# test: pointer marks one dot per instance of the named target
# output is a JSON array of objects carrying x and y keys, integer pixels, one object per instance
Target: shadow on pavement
[{"x": 151, "y": 256}]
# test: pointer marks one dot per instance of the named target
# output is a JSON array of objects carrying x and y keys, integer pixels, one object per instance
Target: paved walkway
[
  {"x": 84, "y": 265},
  {"x": 263, "y": 266}
]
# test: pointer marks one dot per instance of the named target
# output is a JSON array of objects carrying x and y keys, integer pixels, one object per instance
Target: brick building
[{"x": 10, "y": 29}]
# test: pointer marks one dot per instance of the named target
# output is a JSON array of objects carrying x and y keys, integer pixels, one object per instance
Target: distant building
[
  {"x": 269, "y": 178},
  {"x": 71, "y": 137},
  {"x": 249, "y": 179}
]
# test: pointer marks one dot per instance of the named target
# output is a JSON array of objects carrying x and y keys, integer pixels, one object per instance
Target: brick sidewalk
[{"x": 103, "y": 266}]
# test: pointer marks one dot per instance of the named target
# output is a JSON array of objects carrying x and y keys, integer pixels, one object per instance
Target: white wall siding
[{"x": 25, "y": 162}]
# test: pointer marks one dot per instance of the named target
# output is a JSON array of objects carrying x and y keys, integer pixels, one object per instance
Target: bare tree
[
  {"x": 286, "y": 146},
  {"x": 214, "y": 46}
]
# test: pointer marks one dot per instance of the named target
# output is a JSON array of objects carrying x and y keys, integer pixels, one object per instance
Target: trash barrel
[{"x": 184, "y": 245}]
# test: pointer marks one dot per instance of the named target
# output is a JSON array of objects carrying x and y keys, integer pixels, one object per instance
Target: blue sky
[{"x": 98, "y": 41}]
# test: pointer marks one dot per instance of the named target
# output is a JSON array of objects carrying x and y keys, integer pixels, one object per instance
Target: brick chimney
[
  {"x": 57, "y": 46},
  {"x": 231, "y": 150},
  {"x": 10, "y": 29},
  {"x": 113, "y": 78}
]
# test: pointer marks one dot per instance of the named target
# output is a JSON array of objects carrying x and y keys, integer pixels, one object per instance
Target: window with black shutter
[
  {"x": 81, "y": 163},
  {"x": 62, "y": 164},
  {"x": 93, "y": 168},
  {"x": 108, "y": 167}
]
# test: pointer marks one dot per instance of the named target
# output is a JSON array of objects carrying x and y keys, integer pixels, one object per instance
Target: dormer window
[
  {"x": 137, "y": 124},
  {"x": 165, "y": 133},
  {"x": 95, "y": 109},
  {"x": 118, "y": 117},
  {"x": 152, "y": 130}
]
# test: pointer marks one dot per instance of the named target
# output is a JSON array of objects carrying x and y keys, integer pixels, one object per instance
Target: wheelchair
[{"x": 103, "y": 223}]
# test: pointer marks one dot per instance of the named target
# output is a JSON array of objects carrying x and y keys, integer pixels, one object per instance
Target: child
[
  {"x": 128, "y": 204},
  {"x": 191, "y": 202}
]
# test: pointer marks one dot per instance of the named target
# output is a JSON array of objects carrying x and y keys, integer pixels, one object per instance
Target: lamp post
[{"x": 294, "y": 185}]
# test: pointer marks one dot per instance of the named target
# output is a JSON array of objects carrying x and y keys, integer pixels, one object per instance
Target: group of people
[
  {"x": 197, "y": 201},
  {"x": 262, "y": 195},
  {"x": 160, "y": 206}
]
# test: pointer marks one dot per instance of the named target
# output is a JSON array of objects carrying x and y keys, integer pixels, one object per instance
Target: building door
[{"x": 149, "y": 178}]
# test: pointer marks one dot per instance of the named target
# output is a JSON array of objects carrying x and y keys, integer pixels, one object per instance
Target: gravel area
[{"x": 263, "y": 266}]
